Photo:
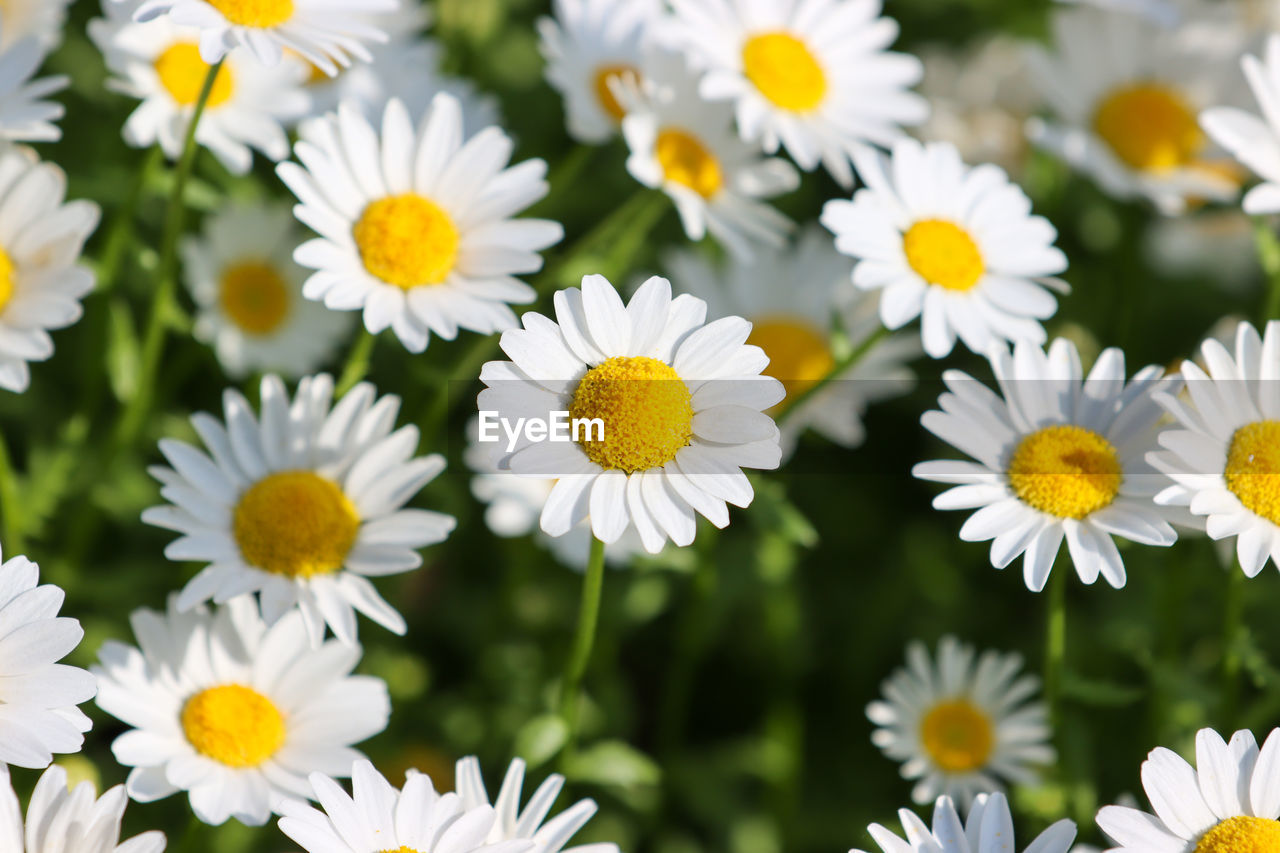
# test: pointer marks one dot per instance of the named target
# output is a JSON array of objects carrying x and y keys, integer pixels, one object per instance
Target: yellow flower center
[
  {"x": 958, "y": 736},
  {"x": 234, "y": 725},
  {"x": 255, "y": 13},
  {"x": 1149, "y": 127},
  {"x": 295, "y": 523},
  {"x": 407, "y": 241},
  {"x": 944, "y": 254},
  {"x": 7, "y": 279},
  {"x": 400, "y": 849},
  {"x": 646, "y": 409},
  {"x": 1253, "y": 463},
  {"x": 686, "y": 161},
  {"x": 605, "y": 75},
  {"x": 182, "y": 73},
  {"x": 785, "y": 71},
  {"x": 255, "y": 297},
  {"x": 1242, "y": 835},
  {"x": 1065, "y": 470},
  {"x": 797, "y": 350}
]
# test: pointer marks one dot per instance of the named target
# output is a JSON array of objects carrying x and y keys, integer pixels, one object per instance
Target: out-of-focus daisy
[
  {"x": 815, "y": 77},
  {"x": 961, "y": 726},
  {"x": 530, "y": 822},
  {"x": 988, "y": 829},
  {"x": 41, "y": 19},
  {"x": 416, "y": 226},
  {"x": 1222, "y": 454},
  {"x": 1254, "y": 141},
  {"x": 680, "y": 401},
  {"x": 687, "y": 148},
  {"x": 588, "y": 45},
  {"x": 1214, "y": 244},
  {"x": 25, "y": 115},
  {"x": 1125, "y": 96},
  {"x": 41, "y": 279},
  {"x": 1058, "y": 455},
  {"x": 1162, "y": 12},
  {"x": 248, "y": 294},
  {"x": 302, "y": 504},
  {"x": 1229, "y": 803},
  {"x": 954, "y": 245},
  {"x": 378, "y": 817},
  {"x": 159, "y": 63},
  {"x": 328, "y": 33},
  {"x": 800, "y": 326},
  {"x": 63, "y": 821},
  {"x": 38, "y": 695},
  {"x": 232, "y": 711}
]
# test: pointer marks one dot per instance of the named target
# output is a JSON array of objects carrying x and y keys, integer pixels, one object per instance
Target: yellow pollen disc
[
  {"x": 1065, "y": 470},
  {"x": 944, "y": 254},
  {"x": 7, "y": 276},
  {"x": 686, "y": 161},
  {"x": 407, "y": 241},
  {"x": 254, "y": 296},
  {"x": 1241, "y": 835},
  {"x": 797, "y": 350},
  {"x": 182, "y": 73},
  {"x": 1149, "y": 127},
  {"x": 234, "y": 725},
  {"x": 785, "y": 71},
  {"x": 958, "y": 736},
  {"x": 295, "y": 523},
  {"x": 646, "y": 408},
  {"x": 1253, "y": 461},
  {"x": 255, "y": 13},
  {"x": 604, "y": 76}
]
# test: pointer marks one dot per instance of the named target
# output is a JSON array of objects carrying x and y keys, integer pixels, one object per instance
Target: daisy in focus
[
  {"x": 687, "y": 148},
  {"x": 59, "y": 820},
  {"x": 814, "y": 77},
  {"x": 41, "y": 278},
  {"x": 416, "y": 225},
  {"x": 589, "y": 47},
  {"x": 795, "y": 328},
  {"x": 302, "y": 504},
  {"x": 159, "y": 63},
  {"x": 987, "y": 829},
  {"x": 1228, "y": 803},
  {"x": 1254, "y": 141},
  {"x": 41, "y": 19},
  {"x": 681, "y": 401},
  {"x": 232, "y": 711},
  {"x": 954, "y": 245},
  {"x": 961, "y": 726},
  {"x": 248, "y": 294},
  {"x": 1058, "y": 455}
]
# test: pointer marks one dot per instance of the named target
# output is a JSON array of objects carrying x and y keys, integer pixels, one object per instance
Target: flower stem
[
  {"x": 1269, "y": 257},
  {"x": 120, "y": 233},
  {"x": 1232, "y": 626},
  {"x": 9, "y": 503},
  {"x": 1055, "y": 647},
  {"x": 695, "y": 631},
  {"x": 162, "y": 301},
  {"x": 357, "y": 366},
  {"x": 790, "y": 407},
  {"x": 583, "y": 640}
]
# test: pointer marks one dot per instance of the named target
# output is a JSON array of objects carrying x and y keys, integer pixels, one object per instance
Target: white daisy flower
[
  {"x": 1254, "y": 141},
  {"x": 328, "y": 33},
  {"x": 794, "y": 326},
  {"x": 302, "y": 504},
  {"x": 1164, "y": 12},
  {"x": 416, "y": 225},
  {"x": 959, "y": 725},
  {"x": 1230, "y": 803},
  {"x": 1058, "y": 455},
  {"x": 378, "y": 817},
  {"x": 232, "y": 711},
  {"x": 954, "y": 245},
  {"x": 530, "y": 822},
  {"x": 680, "y": 403},
  {"x": 38, "y": 695},
  {"x": 1221, "y": 454},
  {"x": 687, "y": 148},
  {"x": 41, "y": 19},
  {"x": 59, "y": 820},
  {"x": 25, "y": 115},
  {"x": 41, "y": 278},
  {"x": 988, "y": 829},
  {"x": 815, "y": 77},
  {"x": 589, "y": 44},
  {"x": 159, "y": 63},
  {"x": 1125, "y": 96},
  {"x": 248, "y": 294}
]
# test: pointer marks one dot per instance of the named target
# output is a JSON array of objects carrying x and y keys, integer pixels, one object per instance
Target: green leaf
[
  {"x": 613, "y": 763},
  {"x": 123, "y": 352},
  {"x": 1097, "y": 693},
  {"x": 541, "y": 738}
]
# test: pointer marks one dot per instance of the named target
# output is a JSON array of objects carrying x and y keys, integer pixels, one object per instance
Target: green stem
[
  {"x": 120, "y": 233},
  {"x": 562, "y": 179},
  {"x": 357, "y": 366},
  {"x": 163, "y": 299},
  {"x": 837, "y": 370},
  {"x": 690, "y": 646},
  {"x": 1269, "y": 256},
  {"x": 583, "y": 641},
  {"x": 1055, "y": 647},
  {"x": 1232, "y": 626},
  {"x": 9, "y": 503}
]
